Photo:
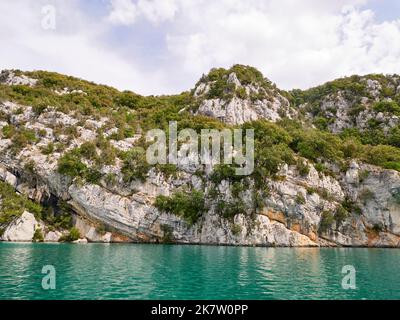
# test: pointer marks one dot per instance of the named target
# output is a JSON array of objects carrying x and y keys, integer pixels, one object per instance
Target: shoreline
[{"x": 200, "y": 245}]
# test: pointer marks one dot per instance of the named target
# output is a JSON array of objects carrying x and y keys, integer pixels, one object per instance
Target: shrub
[
  {"x": 72, "y": 235},
  {"x": 12, "y": 205},
  {"x": 327, "y": 220},
  {"x": 47, "y": 149},
  {"x": 341, "y": 215},
  {"x": 223, "y": 172},
  {"x": 58, "y": 217},
  {"x": 228, "y": 210},
  {"x": 269, "y": 160},
  {"x": 135, "y": 165},
  {"x": 38, "y": 109},
  {"x": 93, "y": 176},
  {"x": 38, "y": 236},
  {"x": 384, "y": 156},
  {"x": 236, "y": 229},
  {"x": 313, "y": 144},
  {"x": 302, "y": 167},
  {"x": 241, "y": 93},
  {"x": 71, "y": 165},
  {"x": 88, "y": 150},
  {"x": 350, "y": 206},
  {"x": 351, "y": 148},
  {"x": 387, "y": 106},
  {"x": 190, "y": 206},
  {"x": 169, "y": 170},
  {"x": 394, "y": 137}
]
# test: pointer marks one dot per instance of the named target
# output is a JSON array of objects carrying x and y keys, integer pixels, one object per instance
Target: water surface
[{"x": 137, "y": 271}]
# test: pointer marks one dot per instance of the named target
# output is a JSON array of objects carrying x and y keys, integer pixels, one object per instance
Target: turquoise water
[{"x": 133, "y": 271}]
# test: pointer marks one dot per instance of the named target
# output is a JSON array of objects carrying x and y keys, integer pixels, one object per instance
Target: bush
[
  {"x": 341, "y": 215},
  {"x": 387, "y": 106},
  {"x": 236, "y": 229},
  {"x": 58, "y": 217},
  {"x": 38, "y": 236},
  {"x": 190, "y": 206},
  {"x": 269, "y": 160},
  {"x": 48, "y": 149},
  {"x": 135, "y": 165},
  {"x": 302, "y": 167},
  {"x": 12, "y": 205},
  {"x": 72, "y": 235},
  {"x": 223, "y": 172},
  {"x": 88, "y": 150},
  {"x": 314, "y": 145},
  {"x": 228, "y": 210},
  {"x": 71, "y": 165},
  {"x": 327, "y": 220},
  {"x": 384, "y": 156}
]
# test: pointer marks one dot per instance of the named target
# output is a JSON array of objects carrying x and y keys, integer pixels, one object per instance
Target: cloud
[
  {"x": 74, "y": 47},
  {"x": 296, "y": 44},
  {"x": 163, "y": 46},
  {"x": 126, "y": 12},
  {"x": 123, "y": 12}
]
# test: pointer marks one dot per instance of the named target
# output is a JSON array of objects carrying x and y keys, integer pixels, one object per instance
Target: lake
[{"x": 141, "y": 271}]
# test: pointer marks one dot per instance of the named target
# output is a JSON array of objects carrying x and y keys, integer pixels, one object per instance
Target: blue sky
[{"x": 164, "y": 46}]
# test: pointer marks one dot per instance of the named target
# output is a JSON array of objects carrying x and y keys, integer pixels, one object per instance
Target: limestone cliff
[{"x": 348, "y": 202}]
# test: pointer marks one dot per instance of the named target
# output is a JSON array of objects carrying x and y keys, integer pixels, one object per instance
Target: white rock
[
  {"x": 80, "y": 241},
  {"x": 22, "y": 229},
  {"x": 52, "y": 236}
]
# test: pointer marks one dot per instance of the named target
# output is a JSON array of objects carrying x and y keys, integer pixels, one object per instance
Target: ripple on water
[{"x": 130, "y": 271}]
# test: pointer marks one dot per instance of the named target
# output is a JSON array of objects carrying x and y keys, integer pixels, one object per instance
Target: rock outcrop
[
  {"x": 22, "y": 229},
  {"x": 241, "y": 102}
]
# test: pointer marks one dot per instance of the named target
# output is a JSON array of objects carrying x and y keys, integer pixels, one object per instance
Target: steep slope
[{"x": 77, "y": 148}]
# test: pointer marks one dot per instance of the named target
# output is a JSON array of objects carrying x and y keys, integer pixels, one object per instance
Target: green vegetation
[
  {"x": 387, "y": 106},
  {"x": 189, "y": 205},
  {"x": 327, "y": 220},
  {"x": 72, "y": 235},
  {"x": 38, "y": 236},
  {"x": 222, "y": 88},
  {"x": 236, "y": 229},
  {"x": 135, "y": 165},
  {"x": 351, "y": 86},
  {"x": 70, "y": 164},
  {"x": 20, "y": 137},
  {"x": 12, "y": 204},
  {"x": 276, "y": 144},
  {"x": 58, "y": 217}
]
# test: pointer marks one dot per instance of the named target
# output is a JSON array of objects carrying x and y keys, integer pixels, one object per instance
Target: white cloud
[
  {"x": 123, "y": 12},
  {"x": 73, "y": 48},
  {"x": 294, "y": 43},
  {"x": 126, "y": 12}
]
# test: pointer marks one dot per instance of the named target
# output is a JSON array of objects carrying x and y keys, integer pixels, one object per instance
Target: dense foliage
[{"x": 189, "y": 205}]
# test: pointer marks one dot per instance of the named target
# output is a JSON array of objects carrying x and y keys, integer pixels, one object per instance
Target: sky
[{"x": 164, "y": 46}]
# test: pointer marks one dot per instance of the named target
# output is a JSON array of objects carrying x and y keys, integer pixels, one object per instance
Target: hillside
[{"x": 73, "y": 166}]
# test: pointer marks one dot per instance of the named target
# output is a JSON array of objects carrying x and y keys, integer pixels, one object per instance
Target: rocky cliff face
[
  {"x": 235, "y": 101},
  {"x": 301, "y": 205}
]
